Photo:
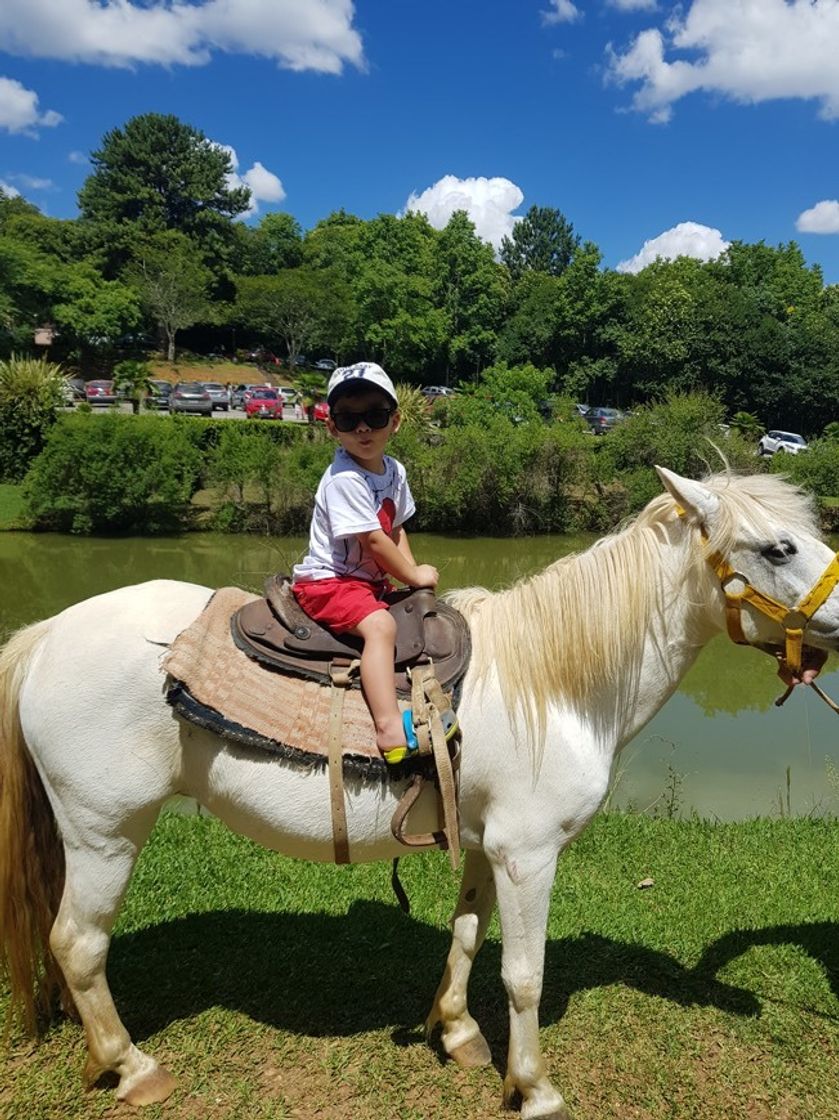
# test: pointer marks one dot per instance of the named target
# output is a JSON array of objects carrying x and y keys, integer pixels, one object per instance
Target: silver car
[
  {"x": 218, "y": 394},
  {"x": 191, "y": 396}
]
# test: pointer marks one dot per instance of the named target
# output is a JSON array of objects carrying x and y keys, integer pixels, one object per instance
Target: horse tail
[{"x": 31, "y": 854}]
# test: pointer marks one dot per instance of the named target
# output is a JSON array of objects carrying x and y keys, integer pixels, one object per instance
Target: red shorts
[{"x": 340, "y": 604}]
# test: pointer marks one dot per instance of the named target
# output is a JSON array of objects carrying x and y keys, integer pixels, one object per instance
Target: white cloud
[
  {"x": 634, "y": 5},
  {"x": 563, "y": 11},
  {"x": 821, "y": 218},
  {"x": 747, "y": 50},
  {"x": 262, "y": 183},
  {"x": 8, "y": 190},
  {"x": 19, "y": 108},
  {"x": 77, "y": 157},
  {"x": 32, "y": 182},
  {"x": 300, "y": 34},
  {"x": 687, "y": 239},
  {"x": 488, "y": 202}
]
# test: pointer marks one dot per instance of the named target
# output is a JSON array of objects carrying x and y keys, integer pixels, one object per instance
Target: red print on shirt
[{"x": 386, "y": 515}]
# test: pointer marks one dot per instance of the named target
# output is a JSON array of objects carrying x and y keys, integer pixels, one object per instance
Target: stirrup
[{"x": 447, "y": 718}]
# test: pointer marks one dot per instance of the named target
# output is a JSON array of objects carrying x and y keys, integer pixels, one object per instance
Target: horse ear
[{"x": 693, "y": 497}]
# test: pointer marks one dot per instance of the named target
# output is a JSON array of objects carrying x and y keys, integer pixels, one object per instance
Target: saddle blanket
[{"x": 217, "y": 686}]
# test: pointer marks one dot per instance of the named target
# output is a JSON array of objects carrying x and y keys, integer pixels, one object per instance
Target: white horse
[{"x": 567, "y": 667}]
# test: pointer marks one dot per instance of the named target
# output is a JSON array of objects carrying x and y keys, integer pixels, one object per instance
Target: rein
[{"x": 793, "y": 622}]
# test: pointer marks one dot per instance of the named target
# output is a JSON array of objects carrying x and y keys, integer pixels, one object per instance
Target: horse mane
[{"x": 579, "y": 626}]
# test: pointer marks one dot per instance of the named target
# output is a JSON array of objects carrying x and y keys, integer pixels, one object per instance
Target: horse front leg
[
  {"x": 462, "y": 1038},
  {"x": 95, "y": 883},
  {"x": 523, "y": 882}
]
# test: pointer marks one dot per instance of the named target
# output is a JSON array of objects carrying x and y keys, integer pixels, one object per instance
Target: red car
[
  {"x": 321, "y": 411},
  {"x": 100, "y": 392},
  {"x": 264, "y": 404}
]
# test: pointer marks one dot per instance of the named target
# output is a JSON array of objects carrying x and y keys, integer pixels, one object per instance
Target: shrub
[
  {"x": 113, "y": 473},
  {"x": 816, "y": 469},
  {"x": 683, "y": 432},
  {"x": 269, "y": 479}
]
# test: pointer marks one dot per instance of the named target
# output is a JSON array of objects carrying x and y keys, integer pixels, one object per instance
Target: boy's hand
[{"x": 425, "y": 575}]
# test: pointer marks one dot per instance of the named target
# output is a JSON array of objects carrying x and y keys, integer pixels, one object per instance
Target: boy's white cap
[{"x": 368, "y": 372}]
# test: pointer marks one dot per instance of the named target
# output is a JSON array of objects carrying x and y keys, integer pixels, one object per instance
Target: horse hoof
[
  {"x": 471, "y": 1054},
  {"x": 150, "y": 1088}
]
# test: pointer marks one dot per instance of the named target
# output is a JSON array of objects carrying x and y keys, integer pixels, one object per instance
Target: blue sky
[{"x": 654, "y": 128}]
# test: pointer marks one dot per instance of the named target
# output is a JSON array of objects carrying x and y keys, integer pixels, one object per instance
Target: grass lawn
[
  {"x": 11, "y": 505},
  {"x": 276, "y": 989}
]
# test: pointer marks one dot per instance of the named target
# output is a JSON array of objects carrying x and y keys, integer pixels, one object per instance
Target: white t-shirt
[{"x": 351, "y": 500}]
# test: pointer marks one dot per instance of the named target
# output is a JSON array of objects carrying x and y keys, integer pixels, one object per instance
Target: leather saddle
[{"x": 277, "y": 632}]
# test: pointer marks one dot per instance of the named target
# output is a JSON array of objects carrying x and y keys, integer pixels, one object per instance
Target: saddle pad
[{"x": 291, "y": 712}]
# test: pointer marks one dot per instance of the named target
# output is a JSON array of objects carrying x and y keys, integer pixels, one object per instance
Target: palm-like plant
[
  {"x": 132, "y": 379},
  {"x": 32, "y": 386},
  {"x": 413, "y": 408},
  {"x": 31, "y": 392}
]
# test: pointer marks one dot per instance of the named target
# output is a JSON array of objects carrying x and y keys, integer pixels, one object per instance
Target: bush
[
  {"x": 267, "y": 477},
  {"x": 114, "y": 473},
  {"x": 816, "y": 469},
  {"x": 497, "y": 477}
]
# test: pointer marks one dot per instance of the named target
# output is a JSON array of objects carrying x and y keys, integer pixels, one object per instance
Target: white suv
[{"x": 788, "y": 442}]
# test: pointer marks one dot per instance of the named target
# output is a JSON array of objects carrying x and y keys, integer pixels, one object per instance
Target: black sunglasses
[{"x": 372, "y": 417}]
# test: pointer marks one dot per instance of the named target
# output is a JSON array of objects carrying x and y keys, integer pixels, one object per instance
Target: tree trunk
[{"x": 170, "y": 346}]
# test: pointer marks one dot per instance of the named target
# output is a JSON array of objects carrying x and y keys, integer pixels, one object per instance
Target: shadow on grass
[{"x": 320, "y": 975}]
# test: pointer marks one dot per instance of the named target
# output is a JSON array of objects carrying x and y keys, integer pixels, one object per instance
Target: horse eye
[{"x": 780, "y": 552}]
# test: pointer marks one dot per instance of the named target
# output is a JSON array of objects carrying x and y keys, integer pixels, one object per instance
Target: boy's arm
[
  {"x": 403, "y": 545},
  {"x": 392, "y": 559}
]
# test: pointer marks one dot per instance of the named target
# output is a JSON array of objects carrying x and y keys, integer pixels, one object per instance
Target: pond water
[{"x": 719, "y": 747}]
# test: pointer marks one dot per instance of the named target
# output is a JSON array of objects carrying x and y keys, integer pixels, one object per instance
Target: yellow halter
[{"x": 793, "y": 621}]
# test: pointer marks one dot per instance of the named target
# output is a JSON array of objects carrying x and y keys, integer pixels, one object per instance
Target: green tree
[
  {"x": 297, "y": 306},
  {"x": 542, "y": 241},
  {"x": 275, "y": 243},
  {"x": 471, "y": 288},
  {"x": 91, "y": 312},
  {"x": 156, "y": 174},
  {"x": 172, "y": 286}
]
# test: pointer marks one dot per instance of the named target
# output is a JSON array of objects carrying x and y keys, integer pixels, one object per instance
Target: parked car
[
  {"x": 582, "y": 408},
  {"x": 601, "y": 420},
  {"x": 264, "y": 404},
  {"x": 301, "y": 362},
  {"x": 191, "y": 396},
  {"x": 326, "y": 364},
  {"x": 288, "y": 393},
  {"x": 218, "y": 394},
  {"x": 264, "y": 358},
  {"x": 74, "y": 389},
  {"x": 100, "y": 392},
  {"x": 432, "y": 392},
  {"x": 159, "y": 393},
  {"x": 788, "y": 442},
  {"x": 321, "y": 411},
  {"x": 241, "y": 393}
]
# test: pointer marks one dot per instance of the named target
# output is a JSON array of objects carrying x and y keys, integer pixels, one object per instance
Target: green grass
[
  {"x": 11, "y": 505},
  {"x": 278, "y": 989}
]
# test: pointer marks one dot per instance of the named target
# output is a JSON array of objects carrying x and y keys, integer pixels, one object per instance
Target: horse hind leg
[
  {"x": 462, "y": 1038},
  {"x": 96, "y": 879}
]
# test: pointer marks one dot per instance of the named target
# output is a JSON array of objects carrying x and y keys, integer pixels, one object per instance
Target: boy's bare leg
[{"x": 379, "y": 633}]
